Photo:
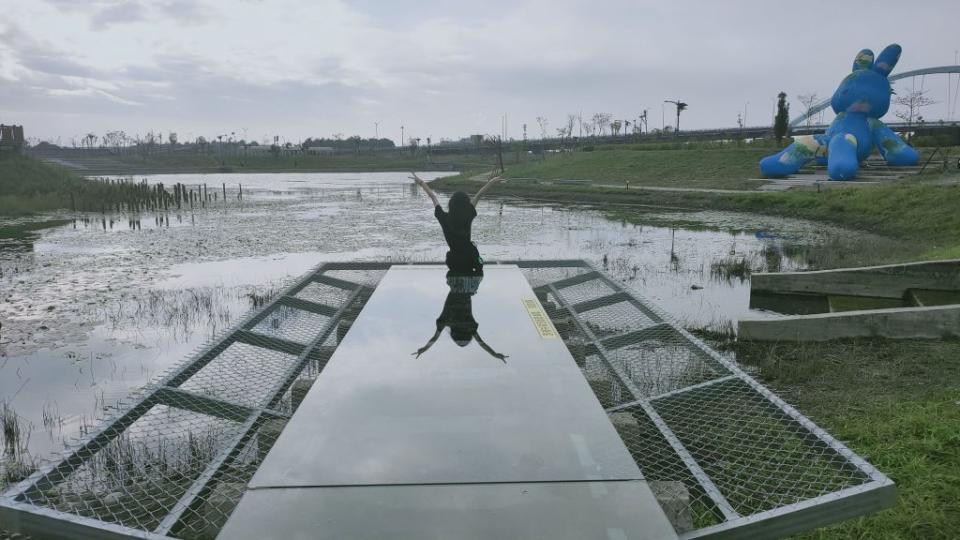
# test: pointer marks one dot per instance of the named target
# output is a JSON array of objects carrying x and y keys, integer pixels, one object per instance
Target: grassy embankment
[
  {"x": 212, "y": 162},
  {"x": 689, "y": 166},
  {"x": 896, "y": 403},
  {"x": 28, "y": 186}
]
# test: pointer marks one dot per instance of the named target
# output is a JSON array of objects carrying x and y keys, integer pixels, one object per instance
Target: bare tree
[
  {"x": 808, "y": 101},
  {"x": 914, "y": 100},
  {"x": 571, "y": 120},
  {"x": 588, "y": 128},
  {"x": 600, "y": 122},
  {"x": 543, "y": 123}
]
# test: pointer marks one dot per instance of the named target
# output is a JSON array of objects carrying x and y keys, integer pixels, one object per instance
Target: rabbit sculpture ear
[
  {"x": 864, "y": 60},
  {"x": 887, "y": 60}
]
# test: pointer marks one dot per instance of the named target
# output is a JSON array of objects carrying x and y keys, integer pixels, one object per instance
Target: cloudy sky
[{"x": 442, "y": 69}]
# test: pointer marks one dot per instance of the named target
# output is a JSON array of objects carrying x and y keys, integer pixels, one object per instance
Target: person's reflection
[{"x": 458, "y": 315}]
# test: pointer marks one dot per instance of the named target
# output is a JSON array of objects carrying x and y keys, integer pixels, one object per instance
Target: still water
[{"x": 97, "y": 307}]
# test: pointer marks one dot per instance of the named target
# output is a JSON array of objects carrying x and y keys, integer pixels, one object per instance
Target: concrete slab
[
  {"x": 896, "y": 323},
  {"x": 886, "y": 281}
]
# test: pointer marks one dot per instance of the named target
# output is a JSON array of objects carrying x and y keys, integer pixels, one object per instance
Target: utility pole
[
  {"x": 401, "y": 135},
  {"x": 376, "y": 136}
]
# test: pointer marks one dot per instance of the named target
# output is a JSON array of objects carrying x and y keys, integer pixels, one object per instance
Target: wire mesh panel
[
  {"x": 137, "y": 478},
  {"x": 176, "y": 461},
  {"x": 725, "y": 457},
  {"x": 242, "y": 374}
]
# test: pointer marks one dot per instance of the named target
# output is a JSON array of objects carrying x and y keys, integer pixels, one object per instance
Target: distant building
[
  {"x": 11, "y": 138},
  {"x": 320, "y": 150}
]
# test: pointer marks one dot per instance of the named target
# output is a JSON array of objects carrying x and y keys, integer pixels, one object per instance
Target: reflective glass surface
[
  {"x": 447, "y": 381},
  {"x": 450, "y": 410},
  {"x": 618, "y": 510}
]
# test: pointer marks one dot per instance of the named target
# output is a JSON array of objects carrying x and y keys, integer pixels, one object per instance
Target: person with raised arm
[{"x": 463, "y": 257}]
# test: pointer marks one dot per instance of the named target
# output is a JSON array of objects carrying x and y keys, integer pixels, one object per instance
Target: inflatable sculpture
[{"x": 862, "y": 98}]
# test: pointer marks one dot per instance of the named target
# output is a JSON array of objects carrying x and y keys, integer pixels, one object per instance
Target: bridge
[{"x": 905, "y": 75}]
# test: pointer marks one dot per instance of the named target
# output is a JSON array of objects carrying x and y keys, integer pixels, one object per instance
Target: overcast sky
[{"x": 442, "y": 69}]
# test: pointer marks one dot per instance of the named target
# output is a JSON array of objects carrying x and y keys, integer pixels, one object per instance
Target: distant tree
[
  {"x": 587, "y": 127},
  {"x": 114, "y": 139},
  {"x": 615, "y": 127},
  {"x": 914, "y": 100},
  {"x": 543, "y": 123},
  {"x": 600, "y": 122},
  {"x": 681, "y": 106},
  {"x": 571, "y": 121},
  {"x": 172, "y": 138},
  {"x": 808, "y": 101},
  {"x": 356, "y": 140},
  {"x": 781, "y": 123},
  {"x": 90, "y": 140}
]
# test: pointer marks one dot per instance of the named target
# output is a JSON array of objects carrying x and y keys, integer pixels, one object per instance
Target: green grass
[
  {"x": 24, "y": 230},
  {"x": 921, "y": 211},
  {"x": 696, "y": 167},
  {"x": 28, "y": 186},
  {"x": 212, "y": 162},
  {"x": 897, "y": 404}
]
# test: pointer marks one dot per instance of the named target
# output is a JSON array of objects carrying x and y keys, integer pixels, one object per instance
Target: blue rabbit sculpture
[{"x": 862, "y": 98}]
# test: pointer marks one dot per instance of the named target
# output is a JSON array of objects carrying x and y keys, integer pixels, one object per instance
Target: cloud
[
  {"x": 439, "y": 68},
  {"x": 124, "y": 12},
  {"x": 189, "y": 12}
]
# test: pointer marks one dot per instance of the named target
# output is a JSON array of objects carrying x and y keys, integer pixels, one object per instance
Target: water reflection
[{"x": 457, "y": 315}]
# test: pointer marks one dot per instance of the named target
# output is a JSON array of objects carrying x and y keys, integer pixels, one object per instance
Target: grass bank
[
  {"x": 896, "y": 403},
  {"x": 28, "y": 186},
  {"x": 692, "y": 167},
  {"x": 189, "y": 162}
]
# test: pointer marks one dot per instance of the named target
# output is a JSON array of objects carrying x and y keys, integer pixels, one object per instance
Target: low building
[
  {"x": 320, "y": 150},
  {"x": 11, "y": 138}
]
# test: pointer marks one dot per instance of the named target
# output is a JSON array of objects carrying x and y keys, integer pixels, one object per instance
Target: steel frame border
[{"x": 877, "y": 493}]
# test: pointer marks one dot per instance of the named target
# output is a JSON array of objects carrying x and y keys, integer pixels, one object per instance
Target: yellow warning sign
[{"x": 539, "y": 317}]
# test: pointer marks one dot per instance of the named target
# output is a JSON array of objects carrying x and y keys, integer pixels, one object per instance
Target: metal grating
[
  {"x": 727, "y": 458},
  {"x": 177, "y": 460}
]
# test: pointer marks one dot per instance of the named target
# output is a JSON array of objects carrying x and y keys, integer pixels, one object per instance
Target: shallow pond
[{"x": 95, "y": 308}]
